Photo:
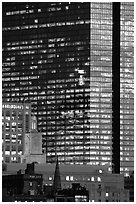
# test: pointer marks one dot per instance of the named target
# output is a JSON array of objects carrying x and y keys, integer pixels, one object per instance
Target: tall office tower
[{"x": 61, "y": 58}]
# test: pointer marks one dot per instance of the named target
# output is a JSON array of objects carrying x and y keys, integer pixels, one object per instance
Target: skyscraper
[
  {"x": 61, "y": 58},
  {"x": 127, "y": 86}
]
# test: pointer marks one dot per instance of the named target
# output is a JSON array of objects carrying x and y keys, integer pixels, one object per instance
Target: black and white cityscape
[{"x": 68, "y": 101}]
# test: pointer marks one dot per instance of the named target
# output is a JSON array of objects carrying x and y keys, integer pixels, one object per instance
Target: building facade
[
  {"x": 59, "y": 57},
  {"x": 16, "y": 122},
  {"x": 21, "y": 142},
  {"x": 126, "y": 87},
  {"x": 129, "y": 184},
  {"x": 22, "y": 187},
  {"x": 33, "y": 148}
]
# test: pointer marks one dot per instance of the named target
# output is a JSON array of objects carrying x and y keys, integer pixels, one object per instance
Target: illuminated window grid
[
  {"x": 52, "y": 55},
  {"x": 71, "y": 61},
  {"x": 101, "y": 79},
  {"x": 127, "y": 88},
  {"x": 12, "y": 138},
  {"x": 66, "y": 97},
  {"x": 13, "y": 129}
]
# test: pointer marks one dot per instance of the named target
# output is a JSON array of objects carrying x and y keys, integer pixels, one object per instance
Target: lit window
[
  {"x": 13, "y": 141},
  {"x": 107, "y": 194},
  {"x": 19, "y": 152},
  {"x": 7, "y": 152},
  {"x": 50, "y": 178},
  {"x": 13, "y": 158},
  {"x": 100, "y": 171},
  {"x": 99, "y": 179},
  {"x": 71, "y": 178},
  {"x": 92, "y": 179},
  {"x": 67, "y": 178},
  {"x": 67, "y": 7}
]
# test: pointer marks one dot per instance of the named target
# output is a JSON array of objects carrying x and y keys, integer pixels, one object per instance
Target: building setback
[{"x": 60, "y": 57}]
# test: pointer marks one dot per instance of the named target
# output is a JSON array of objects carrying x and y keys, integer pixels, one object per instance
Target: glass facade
[
  {"x": 101, "y": 82},
  {"x": 127, "y": 87},
  {"x": 58, "y": 57}
]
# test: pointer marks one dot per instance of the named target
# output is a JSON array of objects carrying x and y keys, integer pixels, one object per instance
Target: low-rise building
[
  {"x": 101, "y": 184},
  {"x": 26, "y": 183},
  {"x": 129, "y": 184},
  {"x": 76, "y": 193}
]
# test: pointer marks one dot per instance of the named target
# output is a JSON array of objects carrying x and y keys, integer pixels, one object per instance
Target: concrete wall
[{"x": 36, "y": 143}]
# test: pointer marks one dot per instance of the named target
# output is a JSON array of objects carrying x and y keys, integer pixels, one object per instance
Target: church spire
[{"x": 57, "y": 179}]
